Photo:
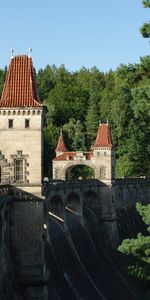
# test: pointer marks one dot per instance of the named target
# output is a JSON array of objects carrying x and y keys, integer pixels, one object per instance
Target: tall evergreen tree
[{"x": 92, "y": 117}]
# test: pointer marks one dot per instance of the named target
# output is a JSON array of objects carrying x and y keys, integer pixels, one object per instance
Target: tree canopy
[
  {"x": 77, "y": 101},
  {"x": 139, "y": 247},
  {"x": 145, "y": 29}
]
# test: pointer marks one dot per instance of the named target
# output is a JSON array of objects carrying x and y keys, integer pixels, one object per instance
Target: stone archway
[
  {"x": 79, "y": 171},
  {"x": 56, "y": 206},
  {"x": 73, "y": 202},
  {"x": 90, "y": 199}
]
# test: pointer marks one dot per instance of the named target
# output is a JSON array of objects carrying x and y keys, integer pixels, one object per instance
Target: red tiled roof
[
  {"x": 61, "y": 145},
  {"x": 70, "y": 155},
  {"x": 20, "y": 87},
  {"x": 103, "y": 136},
  {"x": 65, "y": 155}
]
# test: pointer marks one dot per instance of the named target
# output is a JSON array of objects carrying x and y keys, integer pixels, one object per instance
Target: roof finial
[
  {"x": 99, "y": 122},
  {"x": 30, "y": 50},
  {"x": 107, "y": 121},
  {"x": 61, "y": 130},
  {"x": 12, "y": 53}
]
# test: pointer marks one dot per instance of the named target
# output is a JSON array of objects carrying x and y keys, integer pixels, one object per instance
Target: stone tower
[
  {"x": 103, "y": 155},
  {"x": 21, "y": 115}
]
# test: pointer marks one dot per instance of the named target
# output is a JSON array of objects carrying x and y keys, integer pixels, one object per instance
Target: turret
[
  {"x": 61, "y": 148},
  {"x": 103, "y": 154}
]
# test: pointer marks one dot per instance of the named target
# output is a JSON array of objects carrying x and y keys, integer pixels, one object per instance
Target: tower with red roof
[
  {"x": 103, "y": 154},
  {"x": 21, "y": 115}
]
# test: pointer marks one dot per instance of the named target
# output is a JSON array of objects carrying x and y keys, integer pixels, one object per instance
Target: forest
[{"x": 78, "y": 101}]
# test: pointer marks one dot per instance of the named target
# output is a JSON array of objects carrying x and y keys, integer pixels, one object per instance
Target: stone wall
[
  {"x": 9, "y": 288},
  {"x": 22, "y": 265},
  {"x": 130, "y": 191},
  {"x": 19, "y": 142},
  {"x": 26, "y": 225}
]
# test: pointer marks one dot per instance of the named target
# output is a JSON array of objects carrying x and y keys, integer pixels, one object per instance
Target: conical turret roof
[
  {"x": 103, "y": 138},
  {"x": 20, "y": 87},
  {"x": 61, "y": 145}
]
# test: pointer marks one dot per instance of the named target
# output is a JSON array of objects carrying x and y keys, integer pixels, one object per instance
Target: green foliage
[
  {"x": 78, "y": 101},
  {"x": 82, "y": 172},
  {"x": 139, "y": 248},
  {"x": 144, "y": 212},
  {"x": 124, "y": 166},
  {"x": 2, "y": 79},
  {"x": 50, "y": 138},
  {"x": 145, "y": 29},
  {"x": 74, "y": 135},
  {"x": 92, "y": 117},
  {"x": 146, "y": 3}
]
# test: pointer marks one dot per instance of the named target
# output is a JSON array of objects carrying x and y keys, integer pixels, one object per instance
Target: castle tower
[
  {"x": 103, "y": 155},
  {"x": 21, "y": 121}
]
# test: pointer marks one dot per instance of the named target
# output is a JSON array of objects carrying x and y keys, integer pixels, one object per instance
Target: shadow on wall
[{"x": 22, "y": 245}]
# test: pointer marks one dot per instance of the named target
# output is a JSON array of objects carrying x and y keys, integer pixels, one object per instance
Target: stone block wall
[
  {"x": 22, "y": 273},
  {"x": 130, "y": 191},
  {"x": 26, "y": 225},
  {"x": 19, "y": 142},
  {"x": 9, "y": 288}
]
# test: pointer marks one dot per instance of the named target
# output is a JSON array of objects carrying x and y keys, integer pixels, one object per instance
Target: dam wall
[{"x": 22, "y": 274}]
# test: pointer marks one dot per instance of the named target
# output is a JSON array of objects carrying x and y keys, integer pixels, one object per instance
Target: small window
[
  {"x": 102, "y": 172},
  {"x": 19, "y": 169},
  {"x": 27, "y": 123},
  {"x": 10, "y": 123}
]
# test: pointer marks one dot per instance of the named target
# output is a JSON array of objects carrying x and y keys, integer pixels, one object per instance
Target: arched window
[
  {"x": 73, "y": 202},
  {"x": 56, "y": 206}
]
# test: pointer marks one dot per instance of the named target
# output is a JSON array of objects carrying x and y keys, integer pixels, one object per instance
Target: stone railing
[
  {"x": 69, "y": 184},
  {"x": 124, "y": 181}
]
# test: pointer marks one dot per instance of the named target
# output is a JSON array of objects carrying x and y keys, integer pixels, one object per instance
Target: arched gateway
[{"x": 101, "y": 159}]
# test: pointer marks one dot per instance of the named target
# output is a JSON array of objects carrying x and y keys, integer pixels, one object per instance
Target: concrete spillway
[
  {"x": 70, "y": 280},
  {"x": 81, "y": 265}
]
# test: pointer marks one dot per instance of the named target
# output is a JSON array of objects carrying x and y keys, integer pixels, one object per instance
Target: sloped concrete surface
[{"x": 81, "y": 264}]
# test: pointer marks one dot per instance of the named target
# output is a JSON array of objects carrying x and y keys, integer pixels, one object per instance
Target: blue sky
[{"x": 75, "y": 33}]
